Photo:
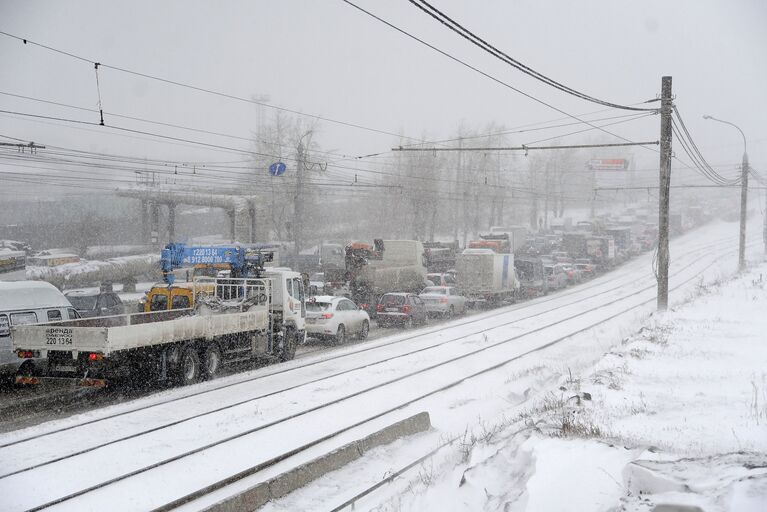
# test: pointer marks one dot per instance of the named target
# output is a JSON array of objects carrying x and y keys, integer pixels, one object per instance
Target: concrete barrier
[{"x": 281, "y": 485}]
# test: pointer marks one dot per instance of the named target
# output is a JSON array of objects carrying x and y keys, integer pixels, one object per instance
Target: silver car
[
  {"x": 556, "y": 276},
  {"x": 443, "y": 301}
]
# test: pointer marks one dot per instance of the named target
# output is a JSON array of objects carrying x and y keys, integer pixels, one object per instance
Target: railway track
[
  {"x": 458, "y": 359},
  {"x": 604, "y": 283},
  {"x": 604, "y": 287}
]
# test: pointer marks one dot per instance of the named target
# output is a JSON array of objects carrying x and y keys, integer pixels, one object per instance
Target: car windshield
[
  {"x": 317, "y": 307},
  {"x": 83, "y": 302},
  {"x": 439, "y": 290},
  {"x": 525, "y": 269}
]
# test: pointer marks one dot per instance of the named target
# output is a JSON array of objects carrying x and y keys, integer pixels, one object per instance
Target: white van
[{"x": 23, "y": 303}]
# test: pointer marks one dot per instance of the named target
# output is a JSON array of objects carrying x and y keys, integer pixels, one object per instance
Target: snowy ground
[
  {"x": 674, "y": 414},
  {"x": 481, "y": 379}
]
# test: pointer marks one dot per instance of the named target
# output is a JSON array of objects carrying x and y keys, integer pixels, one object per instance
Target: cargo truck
[
  {"x": 486, "y": 278},
  {"x": 517, "y": 236},
  {"x": 599, "y": 249},
  {"x": 243, "y": 320}
]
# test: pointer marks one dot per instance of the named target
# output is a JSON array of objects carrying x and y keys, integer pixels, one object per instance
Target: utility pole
[
  {"x": 743, "y": 195},
  {"x": 298, "y": 207},
  {"x": 593, "y": 189},
  {"x": 457, "y": 174},
  {"x": 743, "y": 212},
  {"x": 665, "y": 182},
  {"x": 546, "y": 200}
]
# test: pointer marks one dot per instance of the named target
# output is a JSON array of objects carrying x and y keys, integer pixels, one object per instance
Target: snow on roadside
[
  {"x": 676, "y": 413},
  {"x": 86, "y": 272}
]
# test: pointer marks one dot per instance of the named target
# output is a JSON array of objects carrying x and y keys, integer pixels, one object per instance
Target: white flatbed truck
[{"x": 245, "y": 319}]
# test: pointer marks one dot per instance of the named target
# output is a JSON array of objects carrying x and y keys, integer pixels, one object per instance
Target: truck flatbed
[{"x": 106, "y": 335}]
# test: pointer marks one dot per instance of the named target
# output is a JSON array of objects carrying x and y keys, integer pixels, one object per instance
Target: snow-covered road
[{"x": 189, "y": 439}]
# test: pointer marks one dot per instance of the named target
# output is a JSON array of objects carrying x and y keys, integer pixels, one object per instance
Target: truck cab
[
  {"x": 167, "y": 297},
  {"x": 288, "y": 297}
]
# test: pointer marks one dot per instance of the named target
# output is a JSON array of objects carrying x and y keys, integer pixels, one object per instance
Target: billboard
[{"x": 608, "y": 164}]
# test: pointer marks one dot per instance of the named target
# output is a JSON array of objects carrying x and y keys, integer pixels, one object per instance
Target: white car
[
  {"x": 335, "y": 318},
  {"x": 443, "y": 300}
]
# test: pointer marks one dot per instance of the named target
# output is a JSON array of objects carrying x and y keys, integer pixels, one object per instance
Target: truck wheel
[
  {"x": 289, "y": 342},
  {"x": 212, "y": 361},
  {"x": 189, "y": 367},
  {"x": 340, "y": 335},
  {"x": 365, "y": 330}
]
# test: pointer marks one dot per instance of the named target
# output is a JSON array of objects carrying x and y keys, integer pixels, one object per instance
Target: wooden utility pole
[{"x": 665, "y": 182}]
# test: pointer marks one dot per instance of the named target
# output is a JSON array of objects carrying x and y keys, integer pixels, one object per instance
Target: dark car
[
  {"x": 91, "y": 303},
  {"x": 405, "y": 309}
]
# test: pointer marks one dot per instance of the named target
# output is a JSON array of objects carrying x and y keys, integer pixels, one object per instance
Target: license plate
[
  {"x": 58, "y": 336},
  {"x": 63, "y": 368},
  {"x": 311, "y": 320},
  {"x": 392, "y": 310}
]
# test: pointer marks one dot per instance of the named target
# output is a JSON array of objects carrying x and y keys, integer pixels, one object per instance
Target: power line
[
  {"x": 160, "y": 123},
  {"x": 694, "y": 153},
  {"x": 531, "y": 148},
  {"x": 456, "y": 27},
  {"x": 204, "y": 90},
  {"x": 477, "y": 70}
]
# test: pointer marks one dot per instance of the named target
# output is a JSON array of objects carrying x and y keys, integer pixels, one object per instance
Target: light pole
[{"x": 743, "y": 196}]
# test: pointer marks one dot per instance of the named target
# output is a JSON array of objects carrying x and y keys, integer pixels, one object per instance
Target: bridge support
[{"x": 171, "y": 222}]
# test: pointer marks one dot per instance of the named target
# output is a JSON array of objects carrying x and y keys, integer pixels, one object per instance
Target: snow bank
[
  {"x": 675, "y": 414},
  {"x": 87, "y": 272}
]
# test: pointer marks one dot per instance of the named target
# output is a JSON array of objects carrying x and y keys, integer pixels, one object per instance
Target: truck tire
[
  {"x": 211, "y": 361},
  {"x": 289, "y": 342},
  {"x": 189, "y": 367}
]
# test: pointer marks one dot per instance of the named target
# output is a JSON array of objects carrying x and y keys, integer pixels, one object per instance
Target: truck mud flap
[{"x": 82, "y": 382}]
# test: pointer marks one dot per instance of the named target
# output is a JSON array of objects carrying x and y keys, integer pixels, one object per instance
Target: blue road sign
[{"x": 277, "y": 169}]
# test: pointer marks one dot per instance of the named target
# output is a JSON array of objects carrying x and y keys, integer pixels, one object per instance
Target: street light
[{"x": 743, "y": 196}]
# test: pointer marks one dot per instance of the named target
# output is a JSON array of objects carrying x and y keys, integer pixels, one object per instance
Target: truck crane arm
[{"x": 238, "y": 259}]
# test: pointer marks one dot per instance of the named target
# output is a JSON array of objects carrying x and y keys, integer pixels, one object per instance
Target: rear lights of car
[
  {"x": 28, "y": 354},
  {"x": 405, "y": 308},
  {"x": 443, "y": 300},
  {"x": 379, "y": 307},
  {"x": 326, "y": 316},
  {"x": 95, "y": 356}
]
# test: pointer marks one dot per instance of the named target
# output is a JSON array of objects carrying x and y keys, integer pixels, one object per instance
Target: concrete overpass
[{"x": 241, "y": 211}]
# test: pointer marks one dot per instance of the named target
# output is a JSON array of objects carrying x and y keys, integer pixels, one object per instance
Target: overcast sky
[{"x": 324, "y": 57}]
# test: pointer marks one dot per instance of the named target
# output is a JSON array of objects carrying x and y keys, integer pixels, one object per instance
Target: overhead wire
[
  {"x": 483, "y": 73},
  {"x": 459, "y": 29},
  {"x": 104, "y": 65},
  {"x": 692, "y": 150},
  {"x": 161, "y": 123}
]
